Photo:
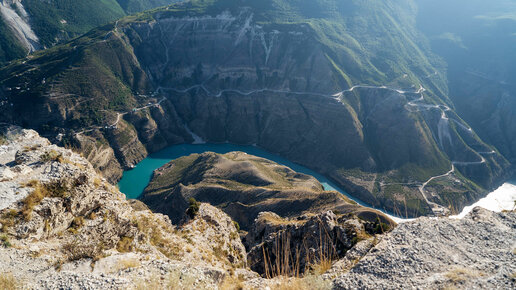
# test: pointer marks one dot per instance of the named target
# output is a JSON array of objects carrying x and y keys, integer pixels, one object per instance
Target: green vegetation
[
  {"x": 4, "y": 241},
  {"x": 51, "y": 155},
  {"x": 50, "y": 19},
  {"x": 132, "y": 6},
  {"x": 3, "y": 140},
  {"x": 10, "y": 48},
  {"x": 380, "y": 227},
  {"x": 55, "y": 21},
  {"x": 193, "y": 209}
]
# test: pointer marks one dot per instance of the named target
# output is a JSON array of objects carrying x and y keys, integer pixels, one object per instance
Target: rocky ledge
[
  {"x": 63, "y": 226},
  {"x": 477, "y": 252}
]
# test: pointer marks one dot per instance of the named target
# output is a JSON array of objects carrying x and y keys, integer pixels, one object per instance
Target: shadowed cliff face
[
  {"x": 319, "y": 92},
  {"x": 478, "y": 47}
]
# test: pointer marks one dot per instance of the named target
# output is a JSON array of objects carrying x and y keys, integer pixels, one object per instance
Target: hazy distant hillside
[{"x": 477, "y": 40}]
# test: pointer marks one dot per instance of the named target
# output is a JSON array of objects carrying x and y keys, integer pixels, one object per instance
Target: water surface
[{"x": 134, "y": 181}]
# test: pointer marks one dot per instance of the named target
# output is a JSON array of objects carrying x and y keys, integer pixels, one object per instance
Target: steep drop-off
[
  {"x": 29, "y": 25},
  {"x": 297, "y": 78},
  {"x": 478, "y": 46},
  {"x": 243, "y": 185}
]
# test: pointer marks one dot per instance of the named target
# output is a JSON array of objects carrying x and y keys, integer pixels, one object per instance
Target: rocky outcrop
[
  {"x": 243, "y": 185},
  {"x": 68, "y": 227},
  {"x": 13, "y": 13},
  {"x": 475, "y": 252},
  {"x": 64, "y": 226},
  {"x": 305, "y": 243},
  {"x": 381, "y": 141}
]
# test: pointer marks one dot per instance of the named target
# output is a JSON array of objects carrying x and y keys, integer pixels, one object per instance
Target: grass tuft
[
  {"x": 8, "y": 282},
  {"x": 125, "y": 245},
  {"x": 51, "y": 156},
  {"x": 4, "y": 241}
]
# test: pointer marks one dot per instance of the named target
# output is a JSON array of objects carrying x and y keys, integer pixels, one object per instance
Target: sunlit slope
[{"x": 350, "y": 89}]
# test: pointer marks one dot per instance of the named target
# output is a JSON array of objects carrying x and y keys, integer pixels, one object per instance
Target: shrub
[
  {"x": 193, "y": 209},
  {"x": 4, "y": 240},
  {"x": 3, "y": 140},
  {"x": 380, "y": 228},
  {"x": 51, "y": 155},
  {"x": 237, "y": 226}
]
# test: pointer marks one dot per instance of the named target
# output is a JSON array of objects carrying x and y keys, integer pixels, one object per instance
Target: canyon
[{"x": 215, "y": 72}]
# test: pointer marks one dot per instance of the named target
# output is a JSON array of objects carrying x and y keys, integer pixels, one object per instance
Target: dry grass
[
  {"x": 4, "y": 241},
  {"x": 310, "y": 282},
  {"x": 284, "y": 261},
  {"x": 461, "y": 274},
  {"x": 154, "y": 229},
  {"x": 8, "y": 219},
  {"x": 97, "y": 182},
  {"x": 76, "y": 250},
  {"x": 3, "y": 140},
  {"x": 52, "y": 189},
  {"x": 127, "y": 263},
  {"x": 232, "y": 282},
  {"x": 9, "y": 282},
  {"x": 323, "y": 260},
  {"x": 173, "y": 281},
  {"x": 125, "y": 245},
  {"x": 51, "y": 156}
]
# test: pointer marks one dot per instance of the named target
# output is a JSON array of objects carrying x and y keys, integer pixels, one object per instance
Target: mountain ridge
[{"x": 390, "y": 144}]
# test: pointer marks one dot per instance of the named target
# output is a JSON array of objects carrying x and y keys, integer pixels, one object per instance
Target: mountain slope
[
  {"x": 478, "y": 46},
  {"x": 347, "y": 95},
  {"x": 34, "y": 24},
  {"x": 243, "y": 186}
]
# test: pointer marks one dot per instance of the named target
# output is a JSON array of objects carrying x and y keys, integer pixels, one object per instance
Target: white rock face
[
  {"x": 19, "y": 23},
  {"x": 97, "y": 239},
  {"x": 504, "y": 198},
  {"x": 476, "y": 252}
]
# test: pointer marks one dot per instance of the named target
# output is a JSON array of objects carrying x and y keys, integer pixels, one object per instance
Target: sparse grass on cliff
[
  {"x": 127, "y": 263},
  {"x": 52, "y": 189},
  {"x": 4, "y": 241},
  {"x": 9, "y": 282},
  {"x": 3, "y": 140},
  {"x": 77, "y": 250},
  {"x": 8, "y": 219},
  {"x": 51, "y": 155},
  {"x": 460, "y": 274},
  {"x": 125, "y": 245}
]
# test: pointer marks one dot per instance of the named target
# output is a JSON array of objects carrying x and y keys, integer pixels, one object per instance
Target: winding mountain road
[{"x": 416, "y": 105}]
